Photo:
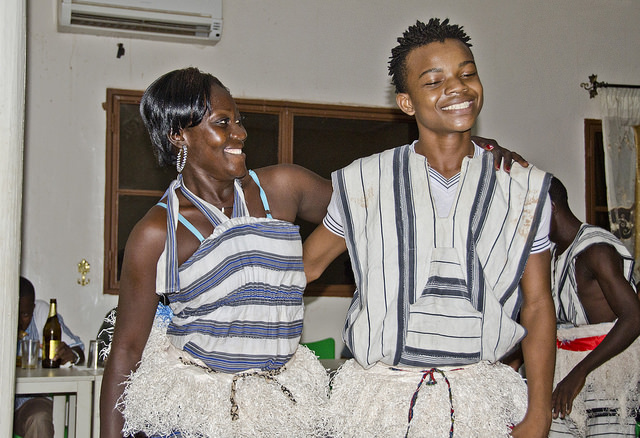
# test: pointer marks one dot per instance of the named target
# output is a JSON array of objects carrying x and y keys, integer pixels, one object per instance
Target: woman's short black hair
[
  {"x": 176, "y": 100},
  {"x": 417, "y": 36}
]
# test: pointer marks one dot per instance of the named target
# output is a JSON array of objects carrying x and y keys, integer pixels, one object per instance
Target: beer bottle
[{"x": 51, "y": 337}]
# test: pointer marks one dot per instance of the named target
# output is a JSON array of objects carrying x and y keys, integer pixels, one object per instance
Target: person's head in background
[
  {"x": 564, "y": 223},
  {"x": 27, "y": 304}
]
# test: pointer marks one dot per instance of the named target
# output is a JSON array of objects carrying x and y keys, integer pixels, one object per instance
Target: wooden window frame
[
  {"x": 592, "y": 129},
  {"x": 286, "y": 112}
]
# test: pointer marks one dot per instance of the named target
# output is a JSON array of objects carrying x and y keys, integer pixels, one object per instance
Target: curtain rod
[{"x": 593, "y": 85}]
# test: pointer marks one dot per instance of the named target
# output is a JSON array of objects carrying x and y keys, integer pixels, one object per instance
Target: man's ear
[{"x": 404, "y": 103}]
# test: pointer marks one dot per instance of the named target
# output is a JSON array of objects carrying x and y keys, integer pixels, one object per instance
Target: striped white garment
[
  {"x": 237, "y": 301},
  {"x": 604, "y": 419},
  {"x": 604, "y": 415},
  {"x": 563, "y": 278},
  {"x": 436, "y": 291},
  {"x": 443, "y": 191}
]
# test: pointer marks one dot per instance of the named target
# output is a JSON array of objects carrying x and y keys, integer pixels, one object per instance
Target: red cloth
[{"x": 580, "y": 344}]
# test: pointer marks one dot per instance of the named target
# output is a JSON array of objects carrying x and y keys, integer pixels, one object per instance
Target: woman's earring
[{"x": 181, "y": 159}]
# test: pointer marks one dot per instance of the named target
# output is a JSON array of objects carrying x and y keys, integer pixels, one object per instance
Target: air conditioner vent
[
  {"x": 141, "y": 25},
  {"x": 198, "y": 21}
]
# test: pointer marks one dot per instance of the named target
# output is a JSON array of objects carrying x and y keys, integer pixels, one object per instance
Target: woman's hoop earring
[{"x": 181, "y": 159}]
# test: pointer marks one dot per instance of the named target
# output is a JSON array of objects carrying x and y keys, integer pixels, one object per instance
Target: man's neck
[
  {"x": 565, "y": 234},
  {"x": 445, "y": 154}
]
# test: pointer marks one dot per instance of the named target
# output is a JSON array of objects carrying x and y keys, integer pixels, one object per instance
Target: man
[
  {"x": 595, "y": 295},
  {"x": 33, "y": 415},
  {"x": 446, "y": 251}
]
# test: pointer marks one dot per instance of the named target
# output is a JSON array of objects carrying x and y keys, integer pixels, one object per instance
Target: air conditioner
[{"x": 198, "y": 21}]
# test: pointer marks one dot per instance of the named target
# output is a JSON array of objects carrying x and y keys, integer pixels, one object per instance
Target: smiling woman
[{"x": 233, "y": 281}]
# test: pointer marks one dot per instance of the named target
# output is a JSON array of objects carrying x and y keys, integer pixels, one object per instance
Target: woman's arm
[
  {"x": 137, "y": 305},
  {"x": 295, "y": 192},
  {"x": 500, "y": 154}
]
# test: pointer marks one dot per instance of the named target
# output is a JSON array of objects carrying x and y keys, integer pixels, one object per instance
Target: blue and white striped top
[{"x": 237, "y": 301}]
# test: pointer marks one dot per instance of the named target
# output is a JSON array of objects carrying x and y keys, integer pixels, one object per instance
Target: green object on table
[{"x": 324, "y": 349}]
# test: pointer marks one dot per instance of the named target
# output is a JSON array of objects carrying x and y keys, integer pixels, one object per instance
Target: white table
[{"x": 79, "y": 382}]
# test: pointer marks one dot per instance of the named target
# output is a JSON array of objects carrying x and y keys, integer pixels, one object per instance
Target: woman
[
  {"x": 228, "y": 363},
  {"x": 236, "y": 295}
]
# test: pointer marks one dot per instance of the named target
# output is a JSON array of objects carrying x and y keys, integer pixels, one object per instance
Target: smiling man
[{"x": 446, "y": 251}]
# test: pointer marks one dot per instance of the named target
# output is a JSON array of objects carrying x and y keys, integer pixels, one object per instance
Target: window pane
[
  {"x": 599, "y": 175},
  {"x": 131, "y": 210},
  {"x": 602, "y": 220},
  {"x": 326, "y": 144},
  {"x": 261, "y": 146},
  {"x": 139, "y": 168}
]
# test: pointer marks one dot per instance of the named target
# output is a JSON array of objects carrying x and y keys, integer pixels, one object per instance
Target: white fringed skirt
[
  {"x": 615, "y": 380},
  {"x": 173, "y": 393},
  {"x": 481, "y": 400}
]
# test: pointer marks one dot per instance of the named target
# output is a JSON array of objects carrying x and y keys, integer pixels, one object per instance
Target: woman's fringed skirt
[{"x": 173, "y": 393}]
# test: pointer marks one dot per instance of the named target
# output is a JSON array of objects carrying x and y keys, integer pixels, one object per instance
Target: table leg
[
  {"x": 83, "y": 409},
  {"x": 59, "y": 414},
  {"x": 71, "y": 418}
]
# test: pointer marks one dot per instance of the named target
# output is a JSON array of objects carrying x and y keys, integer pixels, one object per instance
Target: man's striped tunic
[{"x": 436, "y": 291}]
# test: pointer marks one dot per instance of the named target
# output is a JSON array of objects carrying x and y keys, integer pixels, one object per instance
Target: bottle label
[{"x": 53, "y": 346}]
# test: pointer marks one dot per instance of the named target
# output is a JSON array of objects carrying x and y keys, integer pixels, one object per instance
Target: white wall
[
  {"x": 13, "y": 40},
  {"x": 532, "y": 56}
]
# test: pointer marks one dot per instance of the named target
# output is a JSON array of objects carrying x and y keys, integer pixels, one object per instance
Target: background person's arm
[{"x": 605, "y": 264}]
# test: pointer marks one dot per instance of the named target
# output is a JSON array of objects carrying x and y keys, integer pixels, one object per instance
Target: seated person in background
[
  {"x": 33, "y": 415},
  {"x": 595, "y": 295}
]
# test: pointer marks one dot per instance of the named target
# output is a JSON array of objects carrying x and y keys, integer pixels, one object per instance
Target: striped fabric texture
[
  {"x": 604, "y": 419},
  {"x": 563, "y": 278},
  {"x": 237, "y": 301},
  {"x": 436, "y": 291}
]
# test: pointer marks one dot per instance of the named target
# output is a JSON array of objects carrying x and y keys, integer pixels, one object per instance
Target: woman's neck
[{"x": 217, "y": 193}]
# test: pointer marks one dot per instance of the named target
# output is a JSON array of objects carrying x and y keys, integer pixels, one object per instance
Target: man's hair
[
  {"x": 26, "y": 289},
  {"x": 417, "y": 36},
  {"x": 558, "y": 193}
]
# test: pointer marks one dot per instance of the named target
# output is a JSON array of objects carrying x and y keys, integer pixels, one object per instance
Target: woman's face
[{"x": 215, "y": 145}]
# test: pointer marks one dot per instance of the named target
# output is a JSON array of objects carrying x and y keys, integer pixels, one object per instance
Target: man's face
[
  {"x": 443, "y": 88},
  {"x": 25, "y": 312}
]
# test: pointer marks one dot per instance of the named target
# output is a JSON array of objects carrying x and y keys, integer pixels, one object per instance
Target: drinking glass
[
  {"x": 29, "y": 353},
  {"x": 92, "y": 357}
]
